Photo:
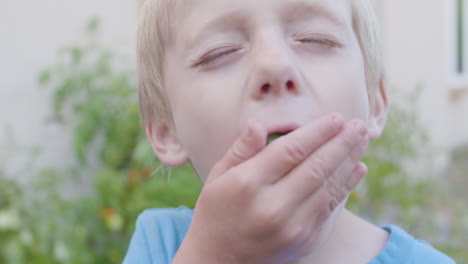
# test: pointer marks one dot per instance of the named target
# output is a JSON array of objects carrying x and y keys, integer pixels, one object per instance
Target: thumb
[{"x": 249, "y": 143}]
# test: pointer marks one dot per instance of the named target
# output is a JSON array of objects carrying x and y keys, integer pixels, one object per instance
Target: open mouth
[{"x": 274, "y": 136}]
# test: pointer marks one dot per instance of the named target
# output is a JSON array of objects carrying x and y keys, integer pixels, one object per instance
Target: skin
[{"x": 237, "y": 71}]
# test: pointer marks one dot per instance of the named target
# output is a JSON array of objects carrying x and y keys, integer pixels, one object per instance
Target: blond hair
[{"x": 154, "y": 34}]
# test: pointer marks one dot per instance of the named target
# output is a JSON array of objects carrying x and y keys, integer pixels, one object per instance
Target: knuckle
[
  {"x": 294, "y": 150},
  {"x": 322, "y": 199},
  {"x": 323, "y": 217},
  {"x": 342, "y": 192},
  {"x": 244, "y": 184},
  {"x": 239, "y": 151},
  {"x": 333, "y": 204},
  {"x": 318, "y": 167},
  {"x": 324, "y": 130},
  {"x": 332, "y": 187},
  {"x": 340, "y": 195},
  {"x": 291, "y": 235},
  {"x": 270, "y": 218},
  {"x": 349, "y": 141}
]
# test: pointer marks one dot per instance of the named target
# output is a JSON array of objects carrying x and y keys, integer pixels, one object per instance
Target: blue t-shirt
[{"x": 160, "y": 232}]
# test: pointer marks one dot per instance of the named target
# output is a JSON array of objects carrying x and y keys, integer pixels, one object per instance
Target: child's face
[{"x": 281, "y": 62}]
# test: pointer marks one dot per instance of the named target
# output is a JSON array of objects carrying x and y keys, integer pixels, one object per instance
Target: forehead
[{"x": 199, "y": 17}]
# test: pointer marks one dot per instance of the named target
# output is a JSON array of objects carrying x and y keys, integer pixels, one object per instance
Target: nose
[{"x": 273, "y": 74}]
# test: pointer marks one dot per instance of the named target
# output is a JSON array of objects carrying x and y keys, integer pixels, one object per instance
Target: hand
[{"x": 263, "y": 204}]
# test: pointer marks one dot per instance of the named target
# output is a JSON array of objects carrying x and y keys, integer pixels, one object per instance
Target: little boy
[{"x": 274, "y": 103}]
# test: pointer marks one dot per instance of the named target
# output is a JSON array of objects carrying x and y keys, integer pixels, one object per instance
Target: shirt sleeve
[
  {"x": 158, "y": 235},
  {"x": 138, "y": 251},
  {"x": 402, "y": 248},
  {"x": 427, "y": 254}
]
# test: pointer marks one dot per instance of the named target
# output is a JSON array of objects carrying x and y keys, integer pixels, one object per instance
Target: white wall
[
  {"x": 416, "y": 49},
  {"x": 31, "y": 32}
]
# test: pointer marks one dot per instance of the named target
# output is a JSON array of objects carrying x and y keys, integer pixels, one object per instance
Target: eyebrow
[
  {"x": 299, "y": 10},
  {"x": 231, "y": 21},
  {"x": 236, "y": 19}
]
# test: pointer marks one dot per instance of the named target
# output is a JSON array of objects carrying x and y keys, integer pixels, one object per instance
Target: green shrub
[{"x": 95, "y": 95}]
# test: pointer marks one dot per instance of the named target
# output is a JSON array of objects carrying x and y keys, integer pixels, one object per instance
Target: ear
[
  {"x": 165, "y": 144},
  {"x": 378, "y": 115}
]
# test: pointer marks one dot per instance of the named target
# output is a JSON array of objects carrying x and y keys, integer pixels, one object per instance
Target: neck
[{"x": 356, "y": 241}]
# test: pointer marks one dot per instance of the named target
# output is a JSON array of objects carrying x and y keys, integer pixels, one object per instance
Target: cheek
[
  {"x": 206, "y": 123},
  {"x": 340, "y": 84}
]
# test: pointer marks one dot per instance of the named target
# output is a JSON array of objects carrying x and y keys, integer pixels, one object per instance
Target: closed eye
[
  {"x": 214, "y": 55},
  {"x": 320, "y": 40}
]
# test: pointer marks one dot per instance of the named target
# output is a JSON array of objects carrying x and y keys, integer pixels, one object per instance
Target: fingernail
[
  {"x": 360, "y": 149},
  {"x": 361, "y": 128},
  {"x": 365, "y": 141},
  {"x": 357, "y": 175},
  {"x": 337, "y": 121},
  {"x": 332, "y": 205}
]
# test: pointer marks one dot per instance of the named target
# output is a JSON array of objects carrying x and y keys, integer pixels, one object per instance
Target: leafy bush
[
  {"x": 38, "y": 223},
  {"x": 389, "y": 183}
]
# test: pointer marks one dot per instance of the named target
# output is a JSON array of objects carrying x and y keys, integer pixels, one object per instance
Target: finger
[
  {"x": 359, "y": 150},
  {"x": 335, "y": 199},
  {"x": 285, "y": 153},
  {"x": 319, "y": 167},
  {"x": 315, "y": 203},
  {"x": 356, "y": 177},
  {"x": 340, "y": 180},
  {"x": 249, "y": 143},
  {"x": 318, "y": 207}
]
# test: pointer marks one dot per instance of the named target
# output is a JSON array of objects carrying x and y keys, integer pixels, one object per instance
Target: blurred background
[{"x": 76, "y": 170}]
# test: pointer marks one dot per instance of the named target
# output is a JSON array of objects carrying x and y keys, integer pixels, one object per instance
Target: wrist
[{"x": 194, "y": 250}]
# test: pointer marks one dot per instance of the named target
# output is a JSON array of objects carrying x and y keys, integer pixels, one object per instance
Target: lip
[{"x": 282, "y": 128}]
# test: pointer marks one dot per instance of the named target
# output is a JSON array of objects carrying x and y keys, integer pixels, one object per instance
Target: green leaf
[
  {"x": 93, "y": 25},
  {"x": 62, "y": 94},
  {"x": 76, "y": 54},
  {"x": 44, "y": 77}
]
